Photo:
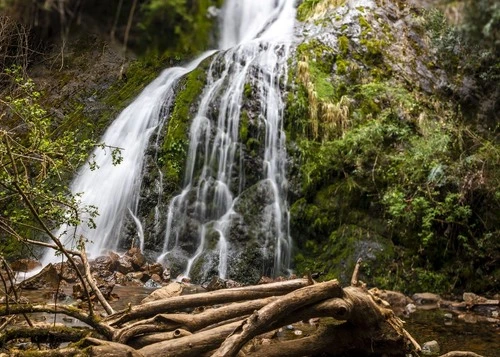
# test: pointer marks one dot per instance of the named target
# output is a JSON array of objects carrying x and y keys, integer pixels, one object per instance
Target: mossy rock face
[
  {"x": 337, "y": 256},
  {"x": 376, "y": 155}
]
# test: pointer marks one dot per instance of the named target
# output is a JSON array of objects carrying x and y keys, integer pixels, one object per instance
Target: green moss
[
  {"x": 342, "y": 67},
  {"x": 138, "y": 74},
  {"x": 253, "y": 146},
  {"x": 307, "y": 8},
  {"x": 343, "y": 44},
  {"x": 337, "y": 255},
  {"x": 244, "y": 126},
  {"x": 365, "y": 25},
  {"x": 247, "y": 91},
  {"x": 322, "y": 82},
  {"x": 176, "y": 142}
]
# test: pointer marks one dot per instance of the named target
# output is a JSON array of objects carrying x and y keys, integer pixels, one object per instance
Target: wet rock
[
  {"x": 136, "y": 275},
  {"x": 137, "y": 258},
  {"x": 430, "y": 348},
  {"x": 156, "y": 278},
  {"x": 120, "y": 278},
  {"x": 172, "y": 289},
  {"x": 468, "y": 318},
  {"x": 396, "y": 299},
  {"x": 105, "y": 265},
  {"x": 472, "y": 299},
  {"x": 47, "y": 278},
  {"x": 426, "y": 299},
  {"x": 448, "y": 316},
  {"x": 25, "y": 265},
  {"x": 265, "y": 280},
  {"x": 217, "y": 283},
  {"x": 78, "y": 292},
  {"x": 166, "y": 274},
  {"x": 106, "y": 289},
  {"x": 152, "y": 284},
  {"x": 155, "y": 268},
  {"x": 124, "y": 265},
  {"x": 410, "y": 309}
]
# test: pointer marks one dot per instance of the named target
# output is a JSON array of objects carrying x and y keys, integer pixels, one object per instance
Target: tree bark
[
  {"x": 190, "y": 322},
  {"x": 259, "y": 320},
  {"x": 192, "y": 345},
  {"x": 211, "y": 298}
]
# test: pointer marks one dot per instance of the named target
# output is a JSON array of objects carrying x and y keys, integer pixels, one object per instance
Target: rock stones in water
[
  {"x": 47, "y": 278},
  {"x": 217, "y": 283},
  {"x": 25, "y": 265},
  {"x": 137, "y": 258},
  {"x": 396, "y": 299},
  {"x": 172, "y": 289},
  {"x": 429, "y": 300},
  {"x": 430, "y": 348}
]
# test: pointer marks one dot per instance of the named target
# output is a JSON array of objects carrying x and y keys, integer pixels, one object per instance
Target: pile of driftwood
[{"x": 223, "y": 322}]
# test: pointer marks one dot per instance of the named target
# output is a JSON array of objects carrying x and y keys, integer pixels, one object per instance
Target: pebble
[
  {"x": 298, "y": 332},
  {"x": 289, "y": 327},
  {"x": 410, "y": 309},
  {"x": 430, "y": 348}
]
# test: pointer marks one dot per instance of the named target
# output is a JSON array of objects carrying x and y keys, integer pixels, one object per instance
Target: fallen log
[
  {"x": 190, "y": 322},
  {"x": 52, "y": 335},
  {"x": 259, "y": 320},
  {"x": 353, "y": 322},
  {"x": 92, "y": 321},
  {"x": 143, "y": 341},
  {"x": 223, "y": 296},
  {"x": 192, "y": 345}
]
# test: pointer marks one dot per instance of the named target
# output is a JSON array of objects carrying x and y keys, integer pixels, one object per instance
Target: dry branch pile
[{"x": 223, "y": 322}]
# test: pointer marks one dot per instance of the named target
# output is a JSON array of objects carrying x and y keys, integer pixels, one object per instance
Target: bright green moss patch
[
  {"x": 244, "y": 120},
  {"x": 176, "y": 142}
]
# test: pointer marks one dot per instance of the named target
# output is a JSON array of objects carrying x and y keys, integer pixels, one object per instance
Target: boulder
[
  {"x": 172, "y": 289},
  {"x": 124, "y": 265},
  {"x": 217, "y": 283},
  {"x": 155, "y": 268},
  {"x": 25, "y": 265},
  {"x": 396, "y": 299},
  {"x": 430, "y": 348},
  {"x": 47, "y": 278},
  {"x": 137, "y": 258},
  {"x": 426, "y": 299}
]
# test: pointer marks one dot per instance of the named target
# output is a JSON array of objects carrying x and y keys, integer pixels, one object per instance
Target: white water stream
[
  {"x": 255, "y": 37},
  {"x": 114, "y": 189}
]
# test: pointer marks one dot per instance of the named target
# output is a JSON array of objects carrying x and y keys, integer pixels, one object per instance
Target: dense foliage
[
  {"x": 176, "y": 28},
  {"x": 387, "y": 170},
  {"x": 37, "y": 160}
]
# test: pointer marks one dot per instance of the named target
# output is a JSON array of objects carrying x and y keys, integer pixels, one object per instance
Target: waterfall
[
  {"x": 255, "y": 41},
  {"x": 113, "y": 189},
  {"x": 256, "y": 35}
]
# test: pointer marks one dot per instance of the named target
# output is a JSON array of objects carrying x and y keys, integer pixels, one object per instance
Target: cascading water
[
  {"x": 113, "y": 189},
  {"x": 257, "y": 34},
  {"x": 205, "y": 224}
]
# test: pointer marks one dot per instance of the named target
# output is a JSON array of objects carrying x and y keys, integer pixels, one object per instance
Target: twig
[{"x": 355, "y": 273}]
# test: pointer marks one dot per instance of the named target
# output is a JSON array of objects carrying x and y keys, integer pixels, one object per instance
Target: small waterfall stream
[
  {"x": 257, "y": 47},
  {"x": 255, "y": 38},
  {"x": 113, "y": 189}
]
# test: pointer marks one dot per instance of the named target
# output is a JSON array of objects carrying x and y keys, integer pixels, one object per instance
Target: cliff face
[{"x": 384, "y": 164}]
